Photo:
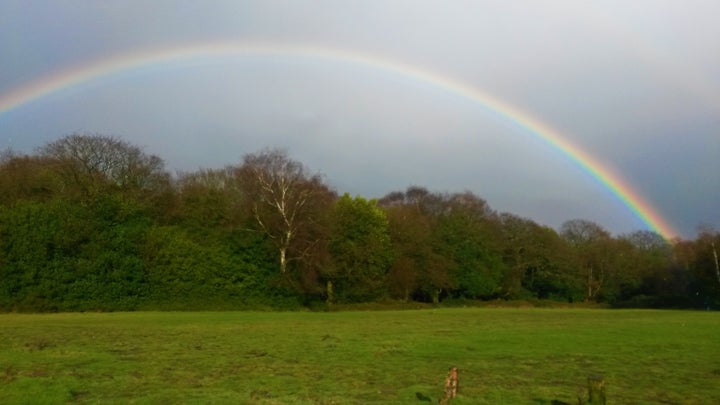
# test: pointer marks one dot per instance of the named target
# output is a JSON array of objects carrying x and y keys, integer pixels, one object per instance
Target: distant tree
[
  {"x": 24, "y": 177},
  {"x": 189, "y": 271},
  {"x": 60, "y": 255},
  {"x": 392, "y": 199},
  {"x": 212, "y": 200},
  {"x": 535, "y": 259},
  {"x": 591, "y": 244},
  {"x": 403, "y": 277},
  {"x": 621, "y": 269},
  {"x": 467, "y": 236},
  {"x": 704, "y": 267},
  {"x": 360, "y": 248},
  {"x": 422, "y": 200},
  {"x": 713, "y": 239},
  {"x": 422, "y": 266},
  {"x": 91, "y": 163},
  {"x": 580, "y": 231},
  {"x": 715, "y": 259},
  {"x": 285, "y": 200},
  {"x": 649, "y": 270},
  {"x": 417, "y": 267},
  {"x": 31, "y": 236},
  {"x": 647, "y": 241}
]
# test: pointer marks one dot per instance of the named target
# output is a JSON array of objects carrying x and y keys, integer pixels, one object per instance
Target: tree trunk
[
  {"x": 283, "y": 259},
  {"x": 436, "y": 296},
  {"x": 330, "y": 293},
  {"x": 717, "y": 266},
  {"x": 589, "y": 284}
]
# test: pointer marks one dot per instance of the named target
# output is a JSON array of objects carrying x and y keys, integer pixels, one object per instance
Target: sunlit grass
[{"x": 504, "y": 356}]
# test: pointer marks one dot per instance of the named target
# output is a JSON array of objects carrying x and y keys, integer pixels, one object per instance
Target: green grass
[{"x": 505, "y": 356}]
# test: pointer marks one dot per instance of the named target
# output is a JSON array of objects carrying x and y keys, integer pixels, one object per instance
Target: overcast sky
[{"x": 635, "y": 84}]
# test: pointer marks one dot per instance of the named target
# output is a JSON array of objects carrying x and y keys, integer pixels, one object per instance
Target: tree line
[{"x": 91, "y": 222}]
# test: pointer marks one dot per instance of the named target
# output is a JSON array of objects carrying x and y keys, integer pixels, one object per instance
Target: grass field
[{"x": 505, "y": 356}]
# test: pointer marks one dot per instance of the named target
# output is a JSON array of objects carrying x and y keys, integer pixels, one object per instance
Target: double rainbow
[{"x": 134, "y": 60}]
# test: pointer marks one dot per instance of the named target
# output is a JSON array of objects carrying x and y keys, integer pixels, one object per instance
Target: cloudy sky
[{"x": 374, "y": 94}]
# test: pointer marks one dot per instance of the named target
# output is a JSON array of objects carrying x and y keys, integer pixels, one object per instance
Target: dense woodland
[{"x": 91, "y": 222}]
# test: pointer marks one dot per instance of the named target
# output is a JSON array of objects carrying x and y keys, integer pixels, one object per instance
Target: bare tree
[
  {"x": 92, "y": 160},
  {"x": 284, "y": 198},
  {"x": 707, "y": 233}
]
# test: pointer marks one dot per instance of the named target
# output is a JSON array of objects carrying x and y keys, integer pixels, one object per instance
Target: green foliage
[
  {"x": 704, "y": 269},
  {"x": 361, "y": 250},
  {"x": 94, "y": 223},
  {"x": 443, "y": 245},
  {"x": 24, "y": 178},
  {"x": 189, "y": 273},
  {"x": 64, "y": 256},
  {"x": 417, "y": 271},
  {"x": 477, "y": 267}
]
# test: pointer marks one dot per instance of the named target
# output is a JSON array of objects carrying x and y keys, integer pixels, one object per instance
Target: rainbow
[{"x": 151, "y": 57}]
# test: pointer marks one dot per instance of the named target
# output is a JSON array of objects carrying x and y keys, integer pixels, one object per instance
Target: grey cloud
[{"x": 633, "y": 83}]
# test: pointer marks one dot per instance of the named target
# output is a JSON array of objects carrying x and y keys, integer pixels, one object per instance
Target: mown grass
[{"x": 505, "y": 356}]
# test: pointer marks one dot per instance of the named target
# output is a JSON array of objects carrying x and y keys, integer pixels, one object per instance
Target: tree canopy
[{"x": 90, "y": 222}]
